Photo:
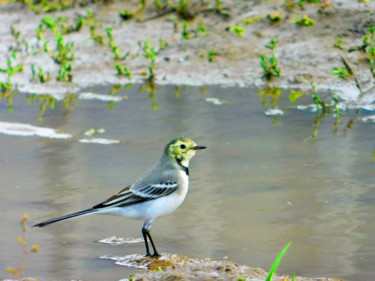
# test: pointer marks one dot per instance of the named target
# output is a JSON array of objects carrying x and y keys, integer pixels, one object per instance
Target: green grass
[
  {"x": 277, "y": 262},
  {"x": 304, "y": 21},
  {"x": 270, "y": 64}
]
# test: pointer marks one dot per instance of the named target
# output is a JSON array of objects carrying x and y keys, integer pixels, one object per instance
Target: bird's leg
[
  {"x": 156, "y": 254},
  {"x": 144, "y": 233}
]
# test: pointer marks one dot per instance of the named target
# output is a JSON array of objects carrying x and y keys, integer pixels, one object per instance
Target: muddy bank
[
  {"x": 305, "y": 54},
  {"x": 174, "y": 267}
]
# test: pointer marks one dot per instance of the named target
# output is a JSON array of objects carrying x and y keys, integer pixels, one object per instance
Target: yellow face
[{"x": 182, "y": 149}]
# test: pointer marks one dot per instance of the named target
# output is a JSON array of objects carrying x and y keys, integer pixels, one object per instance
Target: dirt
[
  {"x": 173, "y": 267},
  {"x": 305, "y": 54}
]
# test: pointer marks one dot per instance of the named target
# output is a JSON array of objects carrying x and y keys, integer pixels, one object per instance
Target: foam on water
[
  {"x": 114, "y": 240},
  {"x": 26, "y": 130}
]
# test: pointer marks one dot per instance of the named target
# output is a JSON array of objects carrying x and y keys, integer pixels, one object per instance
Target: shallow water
[{"x": 261, "y": 183}]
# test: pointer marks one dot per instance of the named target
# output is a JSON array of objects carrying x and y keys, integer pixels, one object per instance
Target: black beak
[{"x": 199, "y": 147}]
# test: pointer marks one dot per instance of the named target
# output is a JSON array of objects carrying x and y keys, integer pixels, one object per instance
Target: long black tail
[{"x": 81, "y": 213}]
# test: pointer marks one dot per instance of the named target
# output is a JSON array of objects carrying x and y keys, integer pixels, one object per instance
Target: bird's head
[{"x": 182, "y": 150}]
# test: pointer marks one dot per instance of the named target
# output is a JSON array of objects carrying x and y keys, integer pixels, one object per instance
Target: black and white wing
[{"x": 129, "y": 196}]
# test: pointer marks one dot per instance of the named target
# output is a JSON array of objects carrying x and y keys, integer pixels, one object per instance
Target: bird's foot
[{"x": 154, "y": 255}]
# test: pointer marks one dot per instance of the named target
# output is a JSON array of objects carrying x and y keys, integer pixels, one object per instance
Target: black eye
[{"x": 182, "y": 146}]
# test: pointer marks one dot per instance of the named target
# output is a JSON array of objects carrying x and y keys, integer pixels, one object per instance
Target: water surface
[{"x": 261, "y": 183}]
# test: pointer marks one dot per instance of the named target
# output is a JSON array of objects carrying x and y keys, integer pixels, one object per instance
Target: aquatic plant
[
  {"x": 277, "y": 262},
  {"x": 270, "y": 64},
  {"x": 368, "y": 47},
  {"x": 304, "y": 21},
  {"x": 294, "y": 96},
  {"x": 18, "y": 271},
  {"x": 324, "y": 107}
]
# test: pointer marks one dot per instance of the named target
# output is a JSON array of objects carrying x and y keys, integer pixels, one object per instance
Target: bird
[{"x": 160, "y": 191}]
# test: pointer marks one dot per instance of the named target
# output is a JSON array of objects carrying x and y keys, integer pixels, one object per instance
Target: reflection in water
[
  {"x": 150, "y": 87},
  {"x": 257, "y": 187},
  {"x": 270, "y": 99}
]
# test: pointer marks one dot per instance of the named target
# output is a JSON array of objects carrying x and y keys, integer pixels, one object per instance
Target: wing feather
[{"x": 129, "y": 196}]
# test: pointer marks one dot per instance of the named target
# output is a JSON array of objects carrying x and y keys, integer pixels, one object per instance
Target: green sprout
[
  {"x": 95, "y": 36},
  {"x": 219, "y": 6},
  {"x": 185, "y": 35},
  {"x": 163, "y": 44},
  {"x": 341, "y": 72},
  {"x": 304, "y": 21},
  {"x": 65, "y": 73},
  {"x": 123, "y": 70},
  {"x": 137, "y": 12},
  {"x": 39, "y": 32},
  {"x": 238, "y": 29},
  {"x": 183, "y": 10},
  {"x": 322, "y": 106},
  {"x": 160, "y": 5},
  {"x": 302, "y": 2},
  {"x": 63, "y": 52},
  {"x": 211, "y": 55},
  {"x": 12, "y": 68},
  {"x": 368, "y": 47},
  {"x": 274, "y": 17},
  {"x": 270, "y": 64},
  {"x": 15, "y": 32},
  {"x": 151, "y": 54},
  {"x": 115, "y": 49},
  {"x": 201, "y": 29},
  {"x": 339, "y": 44},
  {"x": 252, "y": 19},
  {"x": 277, "y": 262},
  {"x": 6, "y": 88},
  {"x": 220, "y": 10},
  {"x": 40, "y": 74}
]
